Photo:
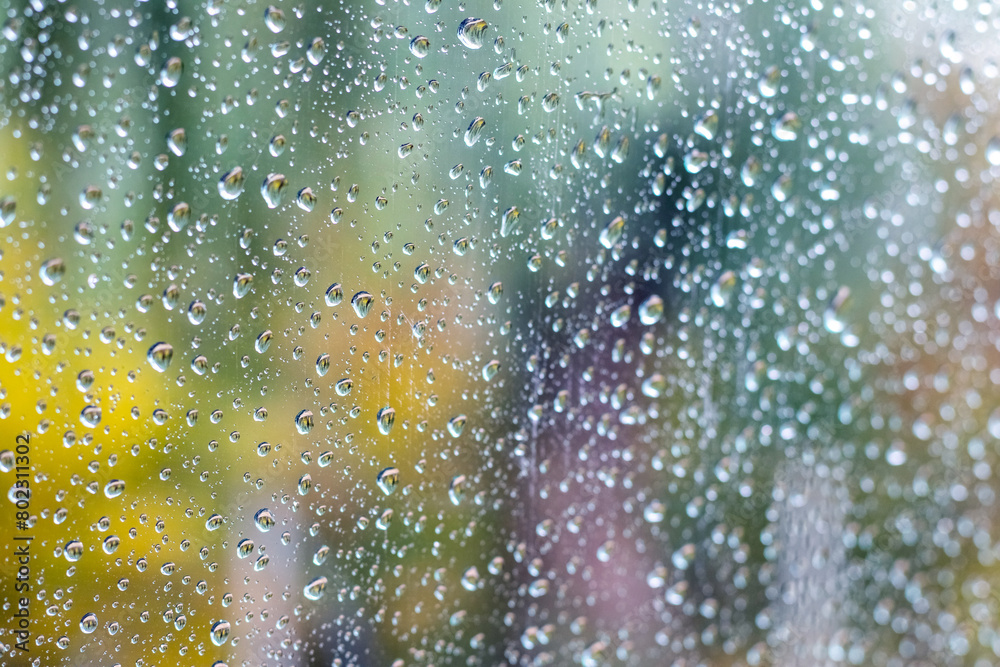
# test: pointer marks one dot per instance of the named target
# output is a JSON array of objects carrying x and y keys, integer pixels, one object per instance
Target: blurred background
[{"x": 451, "y": 333}]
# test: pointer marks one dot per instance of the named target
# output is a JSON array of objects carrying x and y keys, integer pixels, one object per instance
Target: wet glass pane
[{"x": 392, "y": 332}]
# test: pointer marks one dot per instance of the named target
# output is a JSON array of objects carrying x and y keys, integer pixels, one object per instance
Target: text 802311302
[{"x": 21, "y": 543}]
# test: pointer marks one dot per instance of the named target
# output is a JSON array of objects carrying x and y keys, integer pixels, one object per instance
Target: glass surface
[{"x": 387, "y": 332}]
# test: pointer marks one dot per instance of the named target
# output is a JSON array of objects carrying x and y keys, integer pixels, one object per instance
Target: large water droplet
[
  {"x": 264, "y": 520},
  {"x": 362, "y": 303},
  {"x": 220, "y": 632},
  {"x": 471, "y": 32},
  {"x": 315, "y": 588},
  {"x": 160, "y": 356},
  {"x": 52, "y": 271},
  {"x": 388, "y": 480},
  {"x": 231, "y": 184},
  {"x": 304, "y": 421},
  {"x": 386, "y": 418},
  {"x": 88, "y": 623},
  {"x": 475, "y": 130}
]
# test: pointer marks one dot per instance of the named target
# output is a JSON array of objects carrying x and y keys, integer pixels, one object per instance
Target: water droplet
[
  {"x": 475, "y": 131},
  {"x": 343, "y": 387},
  {"x": 73, "y": 550},
  {"x": 832, "y": 315},
  {"x": 214, "y": 522},
  {"x": 769, "y": 82},
  {"x": 263, "y": 342},
  {"x": 114, "y": 488},
  {"x": 456, "y": 425},
  {"x": 316, "y": 51},
  {"x": 315, "y": 588},
  {"x": 273, "y": 189},
  {"x": 89, "y": 623},
  {"x": 550, "y": 102},
  {"x": 334, "y": 294},
  {"x": 52, "y": 271},
  {"x": 491, "y": 369},
  {"x": 386, "y": 418},
  {"x": 264, "y": 520},
  {"x": 305, "y": 483},
  {"x": 220, "y": 632},
  {"x": 621, "y": 315},
  {"x": 323, "y": 364},
  {"x": 471, "y": 32},
  {"x": 651, "y": 310},
  {"x": 723, "y": 288},
  {"x": 177, "y": 141},
  {"x": 388, "y": 480},
  {"x": 321, "y": 554},
  {"x": 8, "y": 207},
  {"x": 160, "y": 356},
  {"x": 471, "y": 579},
  {"x": 612, "y": 233},
  {"x": 306, "y": 200},
  {"x": 274, "y": 19},
  {"x": 787, "y": 127},
  {"x": 241, "y": 285},
  {"x": 244, "y": 548},
  {"x": 170, "y": 75},
  {"x": 304, "y": 421},
  {"x": 420, "y": 46},
  {"x": 456, "y": 490},
  {"x": 496, "y": 292},
  {"x": 993, "y": 151},
  {"x": 362, "y": 303},
  {"x": 197, "y": 312},
  {"x": 509, "y": 221}
]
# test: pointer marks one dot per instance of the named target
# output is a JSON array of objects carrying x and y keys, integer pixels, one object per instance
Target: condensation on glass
[{"x": 527, "y": 333}]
